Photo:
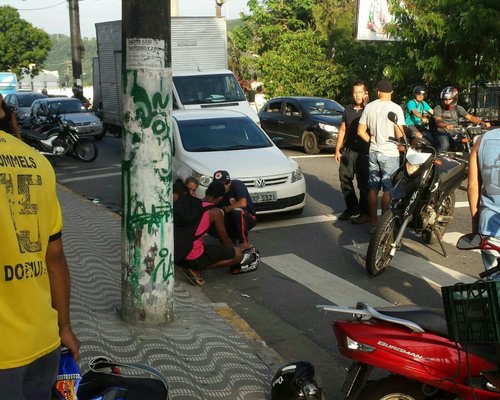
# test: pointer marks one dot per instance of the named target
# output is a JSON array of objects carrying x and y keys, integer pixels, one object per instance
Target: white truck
[{"x": 200, "y": 74}]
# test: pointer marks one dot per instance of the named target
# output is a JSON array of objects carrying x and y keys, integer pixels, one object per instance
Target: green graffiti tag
[{"x": 166, "y": 272}]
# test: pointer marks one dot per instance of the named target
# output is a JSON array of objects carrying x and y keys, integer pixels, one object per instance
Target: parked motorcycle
[
  {"x": 59, "y": 138},
  {"x": 413, "y": 344},
  {"x": 423, "y": 198}
]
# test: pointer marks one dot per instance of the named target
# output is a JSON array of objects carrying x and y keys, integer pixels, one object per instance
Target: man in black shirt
[
  {"x": 352, "y": 154},
  {"x": 238, "y": 208}
]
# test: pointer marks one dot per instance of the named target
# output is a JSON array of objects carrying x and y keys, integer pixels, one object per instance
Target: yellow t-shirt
[{"x": 29, "y": 216}]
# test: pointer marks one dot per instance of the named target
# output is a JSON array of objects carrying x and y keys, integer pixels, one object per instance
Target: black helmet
[
  {"x": 449, "y": 93},
  {"x": 419, "y": 90},
  {"x": 295, "y": 381}
]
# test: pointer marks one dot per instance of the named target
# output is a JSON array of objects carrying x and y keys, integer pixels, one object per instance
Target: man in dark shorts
[
  {"x": 207, "y": 255},
  {"x": 238, "y": 208}
]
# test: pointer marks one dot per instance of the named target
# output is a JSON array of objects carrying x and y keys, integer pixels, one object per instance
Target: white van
[{"x": 210, "y": 89}]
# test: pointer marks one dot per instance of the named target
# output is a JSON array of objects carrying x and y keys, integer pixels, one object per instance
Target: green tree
[
  {"x": 59, "y": 58},
  {"x": 448, "y": 41},
  {"x": 289, "y": 72},
  {"x": 21, "y": 44}
]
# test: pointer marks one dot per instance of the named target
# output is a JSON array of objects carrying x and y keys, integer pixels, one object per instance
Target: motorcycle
[
  {"x": 413, "y": 344},
  {"x": 59, "y": 138},
  {"x": 423, "y": 198}
]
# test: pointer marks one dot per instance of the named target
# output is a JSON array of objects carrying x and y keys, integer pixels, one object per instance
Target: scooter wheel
[{"x": 393, "y": 388}]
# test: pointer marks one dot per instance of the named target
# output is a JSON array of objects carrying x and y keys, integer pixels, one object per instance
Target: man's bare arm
[{"x": 474, "y": 183}]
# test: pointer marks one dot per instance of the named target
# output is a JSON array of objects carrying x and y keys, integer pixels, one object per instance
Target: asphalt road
[{"x": 307, "y": 260}]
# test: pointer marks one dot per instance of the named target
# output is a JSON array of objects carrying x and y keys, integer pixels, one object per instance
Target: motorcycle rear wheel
[
  {"x": 445, "y": 209},
  {"x": 85, "y": 150},
  {"x": 393, "y": 388},
  {"x": 378, "y": 255}
]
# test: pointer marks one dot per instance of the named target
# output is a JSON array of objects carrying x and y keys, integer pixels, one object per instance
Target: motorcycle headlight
[
  {"x": 329, "y": 128},
  {"x": 411, "y": 168},
  {"x": 297, "y": 175},
  {"x": 204, "y": 180}
]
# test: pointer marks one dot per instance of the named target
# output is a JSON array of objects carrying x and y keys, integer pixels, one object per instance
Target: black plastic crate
[{"x": 473, "y": 311}]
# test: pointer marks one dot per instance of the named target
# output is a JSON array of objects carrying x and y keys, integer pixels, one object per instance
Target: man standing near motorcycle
[
  {"x": 447, "y": 117},
  {"x": 484, "y": 192},
  {"x": 353, "y": 159},
  {"x": 375, "y": 128}
]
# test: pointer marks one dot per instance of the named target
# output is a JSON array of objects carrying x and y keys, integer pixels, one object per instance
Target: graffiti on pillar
[{"x": 147, "y": 183}]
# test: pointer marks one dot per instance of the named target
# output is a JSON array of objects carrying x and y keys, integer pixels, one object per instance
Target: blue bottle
[{"x": 68, "y": 378}]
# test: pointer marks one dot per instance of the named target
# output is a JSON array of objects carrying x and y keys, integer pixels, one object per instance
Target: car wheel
[{"x": 310, "y": 143}]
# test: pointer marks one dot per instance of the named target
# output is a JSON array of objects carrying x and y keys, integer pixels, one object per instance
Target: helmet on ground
[
  {"x": 449, "y": 93},
  {"x": 295, "y": 381},
  {"x": 419, "y": 90}
]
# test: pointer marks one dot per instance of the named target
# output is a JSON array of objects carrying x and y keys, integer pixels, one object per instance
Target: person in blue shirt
[
  {"x": 415, "y": 111},
  {"x": 483, "y": 192},
  {"x": 238, "y": 208}
]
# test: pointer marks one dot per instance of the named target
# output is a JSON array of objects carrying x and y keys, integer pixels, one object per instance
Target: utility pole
[
  {"x": 76, "y": 42},
  {"x": 147, "y": 220}
]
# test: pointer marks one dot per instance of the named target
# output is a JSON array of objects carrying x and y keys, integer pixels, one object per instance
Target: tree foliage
[
  {"x": 21, "y": 44},
  {"x": 453, "y": 41},
  {"x": 59, "y": 58}
]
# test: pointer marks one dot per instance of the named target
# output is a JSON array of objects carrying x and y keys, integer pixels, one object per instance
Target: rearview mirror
[
  {"x": 469, "y": 242},
  {"x": 392, "y": 117},
  {"x": 278, "y": 141}
]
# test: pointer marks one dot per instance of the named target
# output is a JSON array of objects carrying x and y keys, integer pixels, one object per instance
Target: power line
[{"x": 42, "y": 8}]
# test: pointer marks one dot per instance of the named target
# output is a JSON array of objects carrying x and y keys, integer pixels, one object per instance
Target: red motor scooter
[{"x": 412, "y": 344}]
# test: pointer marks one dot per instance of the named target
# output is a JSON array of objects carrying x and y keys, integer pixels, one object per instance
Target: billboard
[{"x": 371, "y": 18}]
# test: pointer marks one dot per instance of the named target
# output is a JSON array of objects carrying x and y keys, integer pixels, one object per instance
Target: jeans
[
  {"x": 353, "y": 163},
  {"x": 381, "y": 168},
  {"x": 442, "y": 140},
  {"x": 31, "y": 382}
]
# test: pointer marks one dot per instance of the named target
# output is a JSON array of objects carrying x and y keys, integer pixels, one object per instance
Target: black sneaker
[{"x": 347, "y": 214}]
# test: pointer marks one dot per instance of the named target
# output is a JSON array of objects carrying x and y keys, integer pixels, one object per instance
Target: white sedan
[{"x": 209, "y": 140}]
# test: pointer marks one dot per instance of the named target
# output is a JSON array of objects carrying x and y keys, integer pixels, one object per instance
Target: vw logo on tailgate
[{"x": 260, "y": 183}]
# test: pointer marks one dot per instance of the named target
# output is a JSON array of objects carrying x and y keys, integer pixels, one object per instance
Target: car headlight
[
  {"x": 297, "y": 175},
  {"x": 329, "y": 128},
  {"x": 204, "y": 180}
]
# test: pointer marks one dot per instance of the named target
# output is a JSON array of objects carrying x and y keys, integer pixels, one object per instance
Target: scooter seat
[{"x": 431, "y": 320}]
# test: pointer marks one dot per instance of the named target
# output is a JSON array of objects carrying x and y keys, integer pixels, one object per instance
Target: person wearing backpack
[{"x": 192, "y": 220}]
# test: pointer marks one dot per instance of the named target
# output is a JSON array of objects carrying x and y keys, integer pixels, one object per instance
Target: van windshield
[
  {"x": 203, "y": 89},
  {"x": 221, "y": 134}
]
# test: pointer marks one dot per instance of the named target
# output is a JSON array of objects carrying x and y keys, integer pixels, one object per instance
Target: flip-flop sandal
[{"x": 194, "y": 277}]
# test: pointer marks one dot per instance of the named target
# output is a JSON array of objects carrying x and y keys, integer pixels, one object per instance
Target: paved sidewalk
[{"x": 200, "y": 353}]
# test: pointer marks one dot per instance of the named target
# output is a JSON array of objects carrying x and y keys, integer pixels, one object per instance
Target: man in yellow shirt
[{"x": 34, "y": 275}]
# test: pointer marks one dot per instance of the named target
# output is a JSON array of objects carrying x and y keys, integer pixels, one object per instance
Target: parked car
[
  {"x": 21, "y": 102},
  {"x": 208, "y": 140},
  {"x": 309, "y": 122},
  {"x": 69, "y": 109}
]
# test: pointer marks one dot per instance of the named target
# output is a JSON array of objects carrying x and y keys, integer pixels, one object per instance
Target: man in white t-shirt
[{"x": 376, "y": 128}]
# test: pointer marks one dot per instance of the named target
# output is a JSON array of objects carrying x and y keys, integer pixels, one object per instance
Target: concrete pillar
[{"x": 147, "y": 221}]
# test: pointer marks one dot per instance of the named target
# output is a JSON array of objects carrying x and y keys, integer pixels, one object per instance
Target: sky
[{"x": 53, "y": 16}]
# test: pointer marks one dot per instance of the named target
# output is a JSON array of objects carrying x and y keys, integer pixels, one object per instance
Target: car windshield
[
  {"x": 27, "y": 100},
  {"x": 221, "y": 134},
  {"x": 203, "y": 89},
  {"x": 66, "y": 107},
  {"x": 321, "y": 107}
]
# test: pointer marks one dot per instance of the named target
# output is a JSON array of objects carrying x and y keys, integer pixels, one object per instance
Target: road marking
[
  {"x": 315, "y": 156},
  {"x": 83, "y": 178},
  {"x": 94, "y": 170},
  {"x": 321, "y": 282},
  {"x": 296, "y": 221},
  {"x": 426, "y": 270},
  {"x": 461, "y": 204}
]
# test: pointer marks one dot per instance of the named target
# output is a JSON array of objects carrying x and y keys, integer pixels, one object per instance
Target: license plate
[{"x": 264, "y": 197}]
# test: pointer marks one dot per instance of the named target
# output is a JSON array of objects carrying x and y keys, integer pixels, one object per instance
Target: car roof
[
  {"x": 54, "y": 99},
  {"x": 185, "y": 115},
  {"x": 205, "y": 72}
]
